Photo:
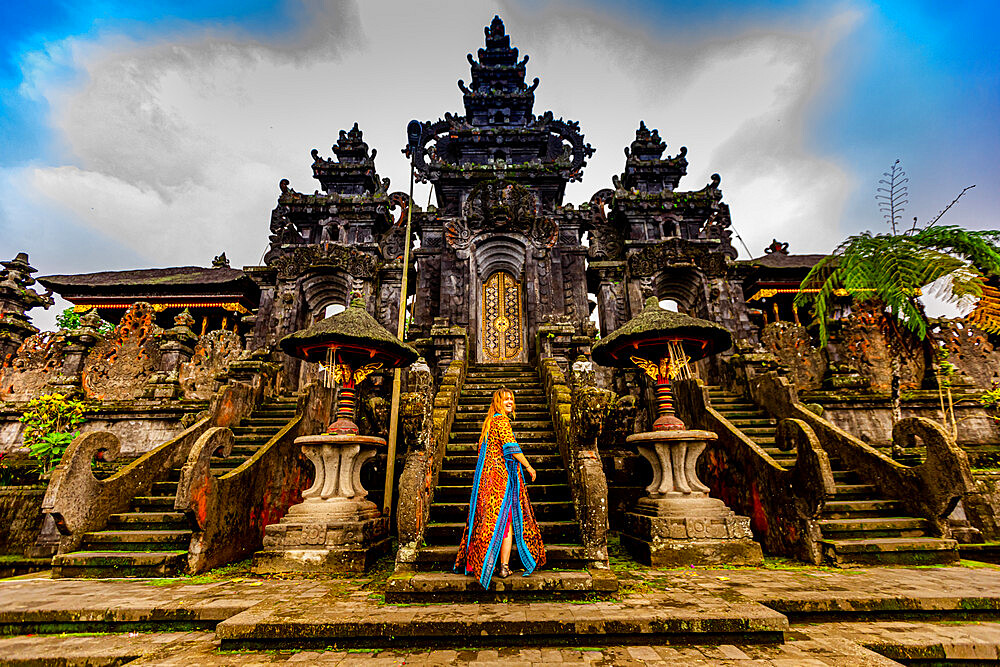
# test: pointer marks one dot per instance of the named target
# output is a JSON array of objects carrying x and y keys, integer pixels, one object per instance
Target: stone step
[
  {"x": 145, "y": 520},
  {"x": 851, "y": 529},
  {"x": 552, "y": 531},
  {"x": 137, "y": 540},
  {"x": 531, "y": 396},
  {"x": 533, "y": 447},
  {"x": 544, "y": 511},
  {"x": 522, "y": 435},
  {"x": 519, "y": 425},
  {"x": 245, "y": 451},
  {"x": 556, "y": 555},
  {"x": 416, "y": 587},
  {"x": 537, "y": 492},
  {"x": 255, "y": 439},
  {"x": 891, "y": 551},
  {"x": 257, "y": 421},
  {"x": 459, "y": 477},
  {"x": 468, "y": 461},
  {"x": 119, "y": 564},
  {"x": 153, "y": 503},
  {"x": 164, "y": 489},
  {"x": 516, "y": 387},
  {"x": 469, "y": 410},
  {"x": 263, "y": 430},
  {"x": 760, "y": 432},
  {"x": 732, "y": 415},
  {"x": 858, "y": 509},
  {"x": 859, "y": 491}
]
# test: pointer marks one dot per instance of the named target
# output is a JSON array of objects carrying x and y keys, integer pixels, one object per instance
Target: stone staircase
[
  {"x": 859, "y": 526},
  {"x": 550, "y": 492},
  {"x": 151, "y": 539},
  {"x": 550, "y": 495}
]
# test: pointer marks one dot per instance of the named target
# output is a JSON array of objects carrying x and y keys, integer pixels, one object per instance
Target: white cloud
[{"x": 176, "y": 143}]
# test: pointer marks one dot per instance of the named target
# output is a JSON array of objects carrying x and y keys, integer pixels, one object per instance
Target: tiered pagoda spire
[
  {"x": 499, "y": 137},
  {"x": 645, "y": 168},
  {"x": 498, "y": 94}
]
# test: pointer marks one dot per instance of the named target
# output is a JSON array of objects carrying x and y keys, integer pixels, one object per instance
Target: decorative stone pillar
[
  {"x": 336, "y": 529},
  {"x": 79, "y": 341},
  {"x": 677, "y": 522},
  {"x": 176, "y": 348},
  {"x": 16, "y": 299}
]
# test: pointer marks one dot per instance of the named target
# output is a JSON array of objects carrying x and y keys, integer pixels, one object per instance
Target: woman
[{"x": 499, "y": 511}]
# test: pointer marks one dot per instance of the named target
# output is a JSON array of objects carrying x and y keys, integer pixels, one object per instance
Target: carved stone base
[
  {"x": 335, "y": 529},
  {"x": 678, "y": 523},
  {"x": 47, "y": 543},
  {"x": 324, "y": 536},
  {"x": 689, "y": 530},
  {"x": 335, "y": 560}
]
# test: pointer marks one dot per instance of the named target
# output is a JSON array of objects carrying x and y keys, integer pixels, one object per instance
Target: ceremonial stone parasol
[
  {"x": 349, "y": 346},
  {"x": 676, "y": 522},
  {"x": 336, "y": 528}
]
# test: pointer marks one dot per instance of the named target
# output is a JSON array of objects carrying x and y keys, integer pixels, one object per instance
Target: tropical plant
[
  {"x": 892, "y": 269},
  {"x": 991, "y": 401},
  {"x": 50, "y": 423},
  {"x": 69, "y": 319}
]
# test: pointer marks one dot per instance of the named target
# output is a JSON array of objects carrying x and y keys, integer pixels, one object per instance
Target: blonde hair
[{"x": 496, "y": 406}]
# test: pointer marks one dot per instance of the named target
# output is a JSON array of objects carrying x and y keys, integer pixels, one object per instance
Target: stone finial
[
  {"x": 220, "y": 262},
  {"x": 184, "y": 318}
]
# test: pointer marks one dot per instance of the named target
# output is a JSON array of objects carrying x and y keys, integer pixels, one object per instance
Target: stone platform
[
  {"x": 451, "y": 587},
  {"x": 790, "y": 616}
]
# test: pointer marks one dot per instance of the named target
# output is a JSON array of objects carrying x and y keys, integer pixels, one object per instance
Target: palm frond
[
  {"x": 986, "y": 315},
  {"x": 980, "y": 248}
]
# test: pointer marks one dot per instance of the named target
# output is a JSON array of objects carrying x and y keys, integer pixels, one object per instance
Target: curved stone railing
[
  {"x": 80, "y": 503},
  {"x": 230, "y": 512},
  {"x": 930, "y": 490},
  {"x": 588, "y": 483},
  {"x": 784, "y": 505},
  {"x": 423, "y": 464}
]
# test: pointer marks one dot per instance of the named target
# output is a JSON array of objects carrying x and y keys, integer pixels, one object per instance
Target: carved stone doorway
[{"x": 502, "y": 320}]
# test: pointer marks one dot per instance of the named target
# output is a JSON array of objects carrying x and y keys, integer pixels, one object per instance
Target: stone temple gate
[
  {"x": 500, "y": 253},
  {"x": 504, "y": 282}
]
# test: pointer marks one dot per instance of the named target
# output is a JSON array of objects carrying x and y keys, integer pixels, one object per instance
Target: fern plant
[{"x": 892, "y": 269}]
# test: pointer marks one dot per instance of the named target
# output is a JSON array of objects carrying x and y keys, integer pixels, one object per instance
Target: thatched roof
[
  {"x": 649, "y": 331},
  {"x": 353, "y": 328}
]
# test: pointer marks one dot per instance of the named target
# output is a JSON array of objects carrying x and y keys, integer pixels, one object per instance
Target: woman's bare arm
[{"x": 519, "y": 457}]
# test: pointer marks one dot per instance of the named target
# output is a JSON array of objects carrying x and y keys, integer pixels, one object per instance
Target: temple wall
[
  {"x": 21, "y": 518},
  {"x": 139, "y": 430},
  {"x": 982, "y": 506},
  {"x": 871, "y": 420}
]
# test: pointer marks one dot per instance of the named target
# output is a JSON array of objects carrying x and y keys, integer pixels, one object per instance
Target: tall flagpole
[{"x": 413, "y": 131}]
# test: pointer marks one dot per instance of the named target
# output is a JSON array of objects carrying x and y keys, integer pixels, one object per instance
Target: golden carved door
[{"x": 501, "y": 318}]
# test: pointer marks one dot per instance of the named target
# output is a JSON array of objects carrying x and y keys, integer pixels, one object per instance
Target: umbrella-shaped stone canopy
[
  {"x": 352, "y": 345},
  {"x": 661, "y": 343}
]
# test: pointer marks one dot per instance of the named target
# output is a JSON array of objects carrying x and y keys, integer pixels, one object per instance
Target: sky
[{"x": 136, "y": 135}]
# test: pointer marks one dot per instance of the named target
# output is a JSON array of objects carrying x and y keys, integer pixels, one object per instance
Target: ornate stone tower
[
  {"x": 500, "y": 254},
  {"x": 326, "y": 245},
  {"x": 649, "y": 239}
]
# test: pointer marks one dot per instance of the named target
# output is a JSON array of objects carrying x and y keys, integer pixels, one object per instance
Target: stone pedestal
[
  {"x": 336, "y": 529},
  {"x": 678, "y": 523}
]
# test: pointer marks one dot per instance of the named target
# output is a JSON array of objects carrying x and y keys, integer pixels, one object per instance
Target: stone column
[
  {"x": 176, "y": 348},
  {"x": 79, "y": 341},
  {"x": 610, "y": 295},
  {"x": 335, "y": 529}
]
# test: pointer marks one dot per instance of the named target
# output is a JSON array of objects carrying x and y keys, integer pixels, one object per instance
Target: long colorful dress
[{"x": 499, "y": 495}]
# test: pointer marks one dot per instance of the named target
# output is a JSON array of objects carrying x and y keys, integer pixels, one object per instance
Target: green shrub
[{"x": 49, "y": 426}]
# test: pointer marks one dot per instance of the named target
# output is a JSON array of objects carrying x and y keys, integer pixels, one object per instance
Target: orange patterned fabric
[{"x": 499, "y": 495}]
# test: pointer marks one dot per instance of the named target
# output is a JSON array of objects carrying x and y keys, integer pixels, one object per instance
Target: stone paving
[{"x": 838, "y": 617}]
